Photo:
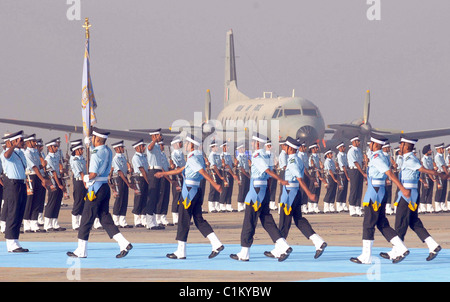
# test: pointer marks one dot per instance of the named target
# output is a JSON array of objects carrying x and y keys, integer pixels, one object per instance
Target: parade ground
[{"x": 147, "y": 262}]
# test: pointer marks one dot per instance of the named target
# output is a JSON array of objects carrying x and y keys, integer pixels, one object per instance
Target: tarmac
[{"x": 147, "y": 261}]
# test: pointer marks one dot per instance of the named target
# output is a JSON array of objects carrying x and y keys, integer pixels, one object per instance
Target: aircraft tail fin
[{"x": 232, "y": 93}]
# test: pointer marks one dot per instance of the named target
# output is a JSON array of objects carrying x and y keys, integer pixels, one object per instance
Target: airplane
[
  {"x": 297, "y": 117},
  {"x": 361, "y": 127}
]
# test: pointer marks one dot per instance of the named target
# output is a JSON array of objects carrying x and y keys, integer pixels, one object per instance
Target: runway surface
[{"x": 152, "y": 256}]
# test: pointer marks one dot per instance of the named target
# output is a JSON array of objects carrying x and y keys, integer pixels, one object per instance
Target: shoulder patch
[
  {"x": 292, "y": 160},
  {"x": 94, "y": 151}
]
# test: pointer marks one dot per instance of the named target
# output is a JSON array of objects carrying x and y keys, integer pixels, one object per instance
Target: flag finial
[{"x": 86, "y": 26}]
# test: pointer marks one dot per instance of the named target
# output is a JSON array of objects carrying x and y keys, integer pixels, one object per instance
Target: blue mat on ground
[{"x": 153, "y": 256}]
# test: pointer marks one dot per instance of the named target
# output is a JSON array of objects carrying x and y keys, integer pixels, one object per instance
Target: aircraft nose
[{"x": 307, "y": 134}]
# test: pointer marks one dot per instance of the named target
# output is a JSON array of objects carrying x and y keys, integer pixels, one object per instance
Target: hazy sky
[{"x": 152, "y": 61}]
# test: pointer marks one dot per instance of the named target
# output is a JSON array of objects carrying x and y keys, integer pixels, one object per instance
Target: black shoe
[
  {"x": 434, "y": 253},
  {"x": 385, "y": 255},
  {"x": 216, "y": 252},
  {"x": 400, "y": 258},
  {"x": 72, "y": 254},
  {"x": 283, "y": 257},
  {"x": 29, "y": 231},
  {"x": 125, "y": 251},
  {"x": 355, "y": 260},
  {"x": 269, "y": 254},
  {"x": 320, "y": 250},
  {"x": 139, "y": 225},
  {"x": 127, "y": 226},
  {"x": 236, "y": 257},
  {"x": 20, "y": 250},
  {"x": 173, "y": 256},
  {"x": 60, "y": 229},
  {"x": 50, "y": 230},
  {"x": 289, "y": 250}
]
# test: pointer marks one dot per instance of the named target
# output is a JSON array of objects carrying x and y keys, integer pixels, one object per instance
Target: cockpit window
[
  {"x": 239, "y": 108},
  {"x": 288, "y": 112},
  {"x": 310, "y": 112},
  {"x": 275, "y": 114}
]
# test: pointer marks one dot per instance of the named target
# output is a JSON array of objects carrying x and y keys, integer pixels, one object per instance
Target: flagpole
[{"x": 87, "y": 121}]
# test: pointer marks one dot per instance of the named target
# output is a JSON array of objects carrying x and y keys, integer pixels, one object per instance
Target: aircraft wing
[
  {"x": 118, "y": 134},
  {"x": 422, "y": 134}
]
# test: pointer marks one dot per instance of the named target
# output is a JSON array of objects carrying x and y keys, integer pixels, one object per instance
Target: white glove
[
  {"x": 86, "y": 178},
  {"x": 87, "y": 140}
]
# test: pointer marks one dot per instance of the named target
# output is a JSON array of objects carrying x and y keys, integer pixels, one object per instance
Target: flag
[{"x": 88, "y": 103}]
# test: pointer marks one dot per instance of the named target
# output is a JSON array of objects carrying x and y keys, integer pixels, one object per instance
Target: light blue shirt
[
  {"x": 314, "y": 161},
  {"x": 294, "y": 168},
  {"x": 164, "y": 162},
  {"x": 282, "y": 159},
  {"x": 378, "y": 165},
  {"x": 227, "y": 159},
  {"x": 139, "y": 160},
  {"x": 53, "y": 163},
  {"x": 78, "y": 165},
  {"x": 427, "y": 162},
  {"x": 101, "y": 161},
  {"x": 15, "y": 165},
  {"x": 194, "y": 163},
  {"x": 304, "y": 157},
  {"x": 270, "y": 159},
  {"x": 214, "y": 160},
  {"x": 260, "y": 164},
  {"x": 410, "y": 167},
  {"x": 342, "y": 160},
  {"x": 243, "y": 161},
  {"x": 154, "y": 157},
  {"x": 119, "y": 163},
  {"x": 33, "y": 160},
  {"x": 177, "y": 157},
  {"x": 329, "y": 165},
  {"x": 440, "y": 161},
  {"x": 354, "y": 155}
]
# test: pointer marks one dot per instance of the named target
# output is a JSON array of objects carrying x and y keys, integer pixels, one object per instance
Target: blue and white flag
[{"x": 88, "y": 103}]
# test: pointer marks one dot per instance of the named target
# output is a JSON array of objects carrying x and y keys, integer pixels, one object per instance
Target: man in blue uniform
[
  {"x": 243, "y": 170},
  {"x": 302, "y": 154},
  {"x": 441, "y": 190},
  {"x": 140, "y": 181},
  {"x": 215, "y": 167},
  {"x": 332, "y": 182},
  {"x": 356, "y": 175},
  {"x": 97, "y": 198},
  {"x": 79, "y": 169},
  {"x": 426, "y": 196},
  {"x": 407, "y": 208},
  {"x": 341, "y": 194},
  {"x": 257, "y": 205},
  {"x": 119, "y": 170},
  {"x": 315, "y": 168},
  {"x": 36, "y": 183},
  {"x": 55, "y": 197},
  {"x": 290, "y": 200},
  {"x": 191, "y": 206},
  {"x": 177, "y": 161},
  {"x": 227, "y": 168},
  {"x": 14, "y": 165},
  {"x": 374, "y": 205},
  {"x": 154, "y": 158}
]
